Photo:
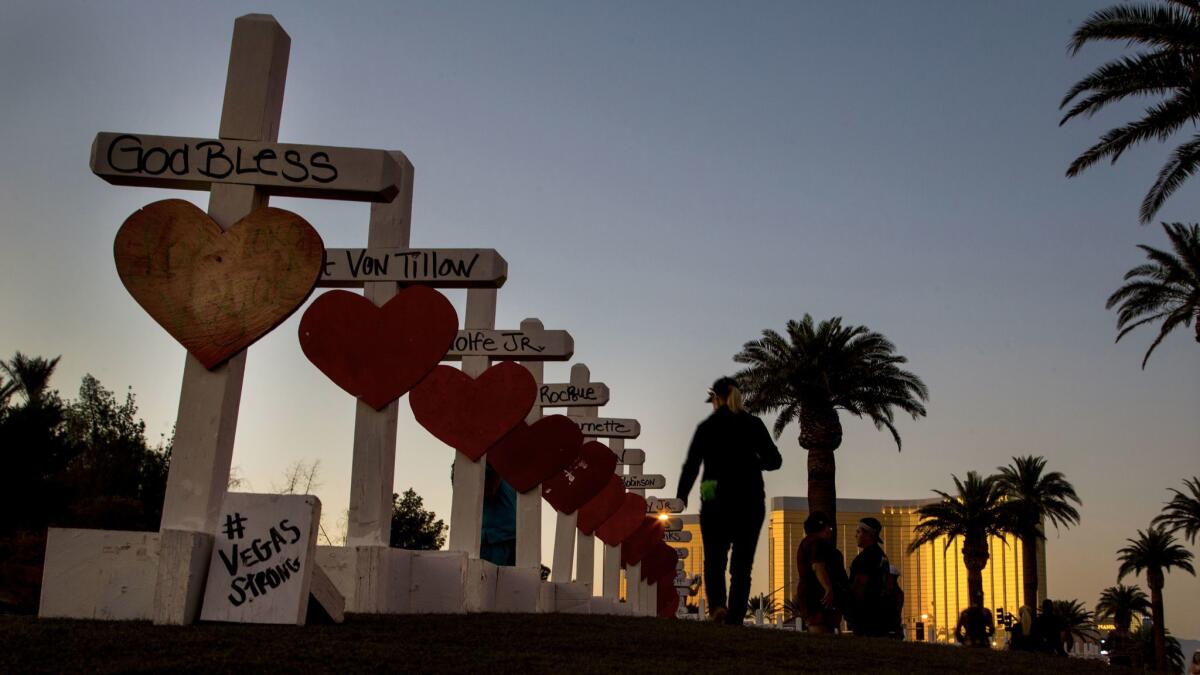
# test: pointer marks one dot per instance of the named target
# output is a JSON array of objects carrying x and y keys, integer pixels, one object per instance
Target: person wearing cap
[
  {"x": 822, "y": 570},
  {"x": 868, "y": 581},
  {"x": 734, "y": 448}
]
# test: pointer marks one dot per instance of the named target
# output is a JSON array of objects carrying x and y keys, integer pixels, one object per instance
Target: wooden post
[
  {"x": 373, "y": 466},
  {"x": 585, "y": 543},
  {"x": 566, "y": 524},
  {"x": 611, "y": 573},
  {"x": 529, "y": 504},
  {"x": 466, "y": 510},
  {"x": 635, "y": 588},
  {"x": 209, "y": 400}
]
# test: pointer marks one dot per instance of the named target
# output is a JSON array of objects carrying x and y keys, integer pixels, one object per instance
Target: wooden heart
[
  {"x": 622, "y": 524},
  {"x": 601, "y": 507},
  {"x": 530, "y": 454},
  {"x": 582, "y": 479},
  {"x": 217, "y": 292},
  {"x": 635, "y": 547},
  {"x": 471, "y": 414},
  {"x": 378, "y": 353},
  {"x": 668, "y": 597}
]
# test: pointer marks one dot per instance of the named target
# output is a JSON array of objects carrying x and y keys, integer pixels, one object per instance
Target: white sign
[
  {"x": 683, "y": 552},
  {"x": 571, "y": 395},
  {"x": 664, "y": 505},
  {"x": 682, "y": 580},
  {"x": 631, "y": 456},
  {"x": 608, "y": 427},
  {"x": 436, "y": 267},
  {"x": 545, "y": 345},
  {"x": 679, "y": 537},
  {"x": 648, "y": 481},
  {"x": 672, "y": 524},
  {"x": 262, "y": 560},
  {"x": 276, "y": 168}
]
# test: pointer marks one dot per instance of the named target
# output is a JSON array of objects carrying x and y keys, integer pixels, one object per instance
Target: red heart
[
  {"x": 622, "y": 524},
  {"x": 635, "y": 547},
  {"x": 471, "y": 414},
  {"x": 582, "y": 479},
  {"x": 530, "y": 454},
  {"x": 601, "y": 507},
  {"x": 217, "y": 292},
  {"x": 378, "y": 353},
  {"x": 668, "y": 597},
  {"x": 659, "y": 561}
]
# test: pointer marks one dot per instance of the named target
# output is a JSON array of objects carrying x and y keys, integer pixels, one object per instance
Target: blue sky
[{"x": 665, "y": 180}]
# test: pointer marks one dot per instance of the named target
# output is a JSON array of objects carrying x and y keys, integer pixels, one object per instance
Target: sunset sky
[{"x": 665, "y": 180}]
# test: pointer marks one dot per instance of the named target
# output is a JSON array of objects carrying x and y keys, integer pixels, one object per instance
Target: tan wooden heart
[{"x": 217, "y": 292}]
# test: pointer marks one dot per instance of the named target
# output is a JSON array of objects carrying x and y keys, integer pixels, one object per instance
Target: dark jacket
[{"x": 735, "y": 449}]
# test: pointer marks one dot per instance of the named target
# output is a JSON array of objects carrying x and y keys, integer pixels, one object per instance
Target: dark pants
[{"x": 732, "y": 524}]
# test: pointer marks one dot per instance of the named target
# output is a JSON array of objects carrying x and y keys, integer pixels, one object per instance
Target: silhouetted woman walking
[{"x": 735, "y": 448}]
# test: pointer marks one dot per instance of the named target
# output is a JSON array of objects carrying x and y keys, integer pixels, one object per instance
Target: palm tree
[
  {"x": 1145, "y": 640},
  {"x": 1033, "y": 496},
  {"x": 1166, "y": 289},
  {"x": 1155, "y": 552},
  {"x": 1183, "y": 511},
  {"x": 815, "y": 371},
  {"x": 1120, "y": 603},
  {"x": 1077, "y": 622},
  {"x": 974, "y": 514},
  {"x": 791, "y": 609},
  {"x": 764, "y": 602},
  {"x": 1168, "y": 30},
  {"x": 30, "y": 376}
]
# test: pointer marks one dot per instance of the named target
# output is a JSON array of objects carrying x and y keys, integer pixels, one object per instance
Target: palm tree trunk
[
  {"x": 1029, "y": 567},
  {"x": 820, "y": 435},
  {"x": 822, "y": 489},
  {"x": 975, "y": 558},
  {"x": 1154, "y": 578}
]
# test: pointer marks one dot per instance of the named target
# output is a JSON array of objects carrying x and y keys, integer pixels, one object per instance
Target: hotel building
[{"x": 933, "y": 577}]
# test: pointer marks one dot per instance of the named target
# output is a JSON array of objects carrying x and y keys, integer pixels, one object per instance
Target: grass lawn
[{"x": 489, "y": 644}]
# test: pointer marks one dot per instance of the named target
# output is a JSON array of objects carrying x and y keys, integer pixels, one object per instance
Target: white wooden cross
[
  {"x": 241, "y": 169},
  {"x": 477, "y": 345},
  {"x": 583, "y": 398}
]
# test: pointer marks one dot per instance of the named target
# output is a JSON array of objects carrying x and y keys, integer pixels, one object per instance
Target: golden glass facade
[{"x": 933, "y": 577}]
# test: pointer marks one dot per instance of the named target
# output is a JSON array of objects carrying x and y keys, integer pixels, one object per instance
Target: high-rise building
[{"x": 933, "y": 577}]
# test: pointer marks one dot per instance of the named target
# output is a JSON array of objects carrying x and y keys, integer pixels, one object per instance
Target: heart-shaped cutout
[
  {"x": 621, "y": 525},
  {"x": 217, "y": 292},
  {"x": 668, "y": 597},
  {"x": 659, "y": 561},
  {"x": 532, "y": 453},
  {"x": 378, "y": 353},
  {"x": 601, "y": 507},
  {"x": 471, "y": 414},
  {"x": 582, "y": 479},
  {"x": 635, "y": 547}
]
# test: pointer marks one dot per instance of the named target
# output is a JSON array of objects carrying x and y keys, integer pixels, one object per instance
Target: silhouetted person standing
[
  {"x": 868, "y": 581},
  {"x": 735, "y": 448},
  {"x": 822, "y": 572}
]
